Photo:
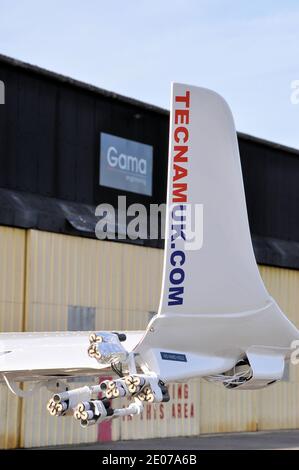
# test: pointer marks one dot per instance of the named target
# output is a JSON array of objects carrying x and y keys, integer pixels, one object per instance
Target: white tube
[
  {"x": 87, "y": 415},
  {"x": 77, "y": 394}
]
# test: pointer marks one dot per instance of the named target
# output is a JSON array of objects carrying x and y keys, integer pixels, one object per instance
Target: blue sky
[{"x": 246, "y": 51}]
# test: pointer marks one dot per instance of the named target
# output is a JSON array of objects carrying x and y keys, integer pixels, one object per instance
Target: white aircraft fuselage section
[{"x": 214, "y": 306}]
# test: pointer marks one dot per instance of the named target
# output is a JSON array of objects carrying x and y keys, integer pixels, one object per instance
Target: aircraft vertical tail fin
[{"x": 214, "y": 305}]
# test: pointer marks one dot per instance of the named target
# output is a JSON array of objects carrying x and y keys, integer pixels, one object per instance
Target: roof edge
[
  {"x": 268, "y": 143},
  {"x": 78, "y": 84},
  {"x": 125, "y": 99}
]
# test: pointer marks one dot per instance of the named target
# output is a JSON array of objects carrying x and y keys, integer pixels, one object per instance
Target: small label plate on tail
[{"x": 168, "y": 356}]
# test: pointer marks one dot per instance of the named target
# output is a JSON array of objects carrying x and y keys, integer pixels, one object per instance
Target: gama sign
[{"x": 126, "y": 164}]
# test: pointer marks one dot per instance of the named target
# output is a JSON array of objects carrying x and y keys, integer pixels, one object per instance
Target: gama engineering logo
[{"x": 126, "y": 164}]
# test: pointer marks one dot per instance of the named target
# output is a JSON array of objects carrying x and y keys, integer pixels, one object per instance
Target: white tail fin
[
  {"x": 221, "y": 276},
  {"x": 213, "y": 300}
]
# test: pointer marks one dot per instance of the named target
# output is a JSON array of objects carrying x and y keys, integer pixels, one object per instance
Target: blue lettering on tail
[{"x": 174, "y": 295}]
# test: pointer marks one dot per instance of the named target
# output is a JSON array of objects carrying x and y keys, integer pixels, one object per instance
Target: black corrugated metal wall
[{"x": 49, "y": 148}]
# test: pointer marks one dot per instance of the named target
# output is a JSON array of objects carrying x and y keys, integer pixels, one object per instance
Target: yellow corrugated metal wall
[
  {"x": 278, "y": 406},
  {"x": 42, "y": 274},
  {"x": 224, "y": 410},
  {"x": 12, "y": 282},
  {"x": 38, "y": 428},
  {"x": 121, "y": 281}
]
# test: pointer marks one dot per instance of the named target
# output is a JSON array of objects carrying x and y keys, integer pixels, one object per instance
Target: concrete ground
[{"x": 242, "y": 441}]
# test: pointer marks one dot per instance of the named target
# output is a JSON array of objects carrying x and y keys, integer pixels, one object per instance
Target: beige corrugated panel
[
  {"x": 224, "y": 410},
  {"x": 142, "y": 279},
  {"x": 179, "y": 417},
  {"x": 9, "y": 419},
  {"x": 66, "y": 271},
  {"x": 41, "y": 429},
  {"x": 283, "y": 285},
  {"x": 121, "y": 281},
  {"x": 278, "y": 405},
  {"x": 12, "y": 272}
]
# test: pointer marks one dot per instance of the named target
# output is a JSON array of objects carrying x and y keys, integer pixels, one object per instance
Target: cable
[
  {"x": 231, "y": 380},
  {"x": 117, "y": 370}
]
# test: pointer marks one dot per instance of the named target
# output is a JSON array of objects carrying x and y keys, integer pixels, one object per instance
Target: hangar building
[{"x": 56, "y": 275}]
